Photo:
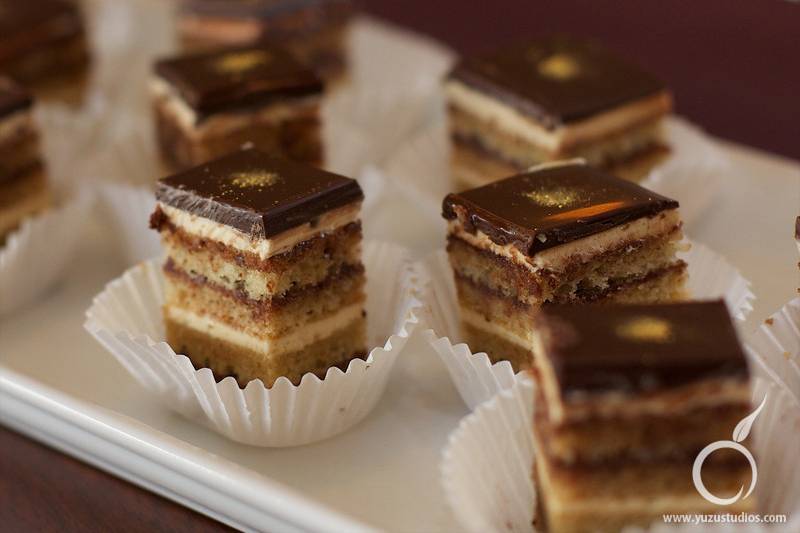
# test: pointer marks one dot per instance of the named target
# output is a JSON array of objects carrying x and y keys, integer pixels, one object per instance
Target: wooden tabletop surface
[{"x": 733, "y": 66}]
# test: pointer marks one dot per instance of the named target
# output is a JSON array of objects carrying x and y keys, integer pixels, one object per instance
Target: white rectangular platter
[{"x": 58, "y": 386}]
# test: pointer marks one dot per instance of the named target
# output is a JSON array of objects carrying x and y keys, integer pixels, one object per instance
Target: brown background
[
  {"x": 735, "y": 69},
  {"x": 734, "y": 65}
]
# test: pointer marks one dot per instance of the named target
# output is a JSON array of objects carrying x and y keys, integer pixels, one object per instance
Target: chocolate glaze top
[
  {"x": 640, "y": 349},
  {"x": 238, "y": 77},
  {"x": 557, "y": 79},
  {"x": 12, "y": 97},
  {"x": 551, "y": 206},
  {"x": 28, "y": 24},
  {"x": 257, "y": 194}
]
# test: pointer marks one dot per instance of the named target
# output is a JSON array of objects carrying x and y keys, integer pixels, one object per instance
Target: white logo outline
[{"x": 740, "y": 433}]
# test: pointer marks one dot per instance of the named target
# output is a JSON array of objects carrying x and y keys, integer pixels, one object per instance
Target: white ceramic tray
[{"x": 57, "y": 385}]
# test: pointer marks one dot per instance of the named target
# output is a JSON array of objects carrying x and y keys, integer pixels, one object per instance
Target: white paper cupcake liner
[
  {"x": 486, "y": 467},
  {"x": 477, "y": 380},
  {"x": 691, "y": 174},
  {"x": 36, "y": 255},
  {"x": 126, "y": 319},
  {"x": 127, "y": 209},
  {"x": 774, "y": 347}
]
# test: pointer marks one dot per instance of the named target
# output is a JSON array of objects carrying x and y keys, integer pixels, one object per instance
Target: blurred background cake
[{"x": 314, "y": 30}]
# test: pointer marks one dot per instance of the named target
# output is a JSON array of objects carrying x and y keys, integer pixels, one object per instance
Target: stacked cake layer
[
  {"x": 211, "y": 104},
  {"x": 43, "y": 46},
  {"x": 628, "y": 396},
  {"x": 23, "y": 184},
  {"x": 565, "y": 233},
  {"x": 553, "y": 98},
  {"x": 263, "y": 269},
  {"x": 314, "y": 30}
]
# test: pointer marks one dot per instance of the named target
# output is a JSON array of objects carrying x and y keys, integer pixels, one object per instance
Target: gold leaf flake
[
  {"x": 557, "y": 197},
  {"x": 559, "y": 67},
  {"x": 239, "y": 62},
  {"x": 645, "y": 329},
  {"x": 247, "y": 180}
]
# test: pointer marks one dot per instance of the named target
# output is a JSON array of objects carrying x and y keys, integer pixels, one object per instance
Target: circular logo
[{"x": 698, "y": 467}]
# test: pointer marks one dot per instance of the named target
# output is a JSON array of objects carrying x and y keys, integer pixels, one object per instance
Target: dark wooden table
[{"x": 734, "y": 69}]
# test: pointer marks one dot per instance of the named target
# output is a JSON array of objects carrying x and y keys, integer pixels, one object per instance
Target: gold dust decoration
[
  {"x": 255, "y": 179},
  {"x": 560, "y": 197},
  {"x": 645, "y": 329},
  {"x": 559, "y": 67},
  {"x": 239, "y": 62}
]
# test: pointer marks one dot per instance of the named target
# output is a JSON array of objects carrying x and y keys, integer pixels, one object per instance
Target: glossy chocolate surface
[
  {"x": 257, "y": 194},
  {"x": 238, "y": 77},
  {"x": 640, "y": 348},
  {"x": 551, "y": 206},
  {"x": 12, "y": 97},
  {"x": 28, "y": 24},
  {"x": 557, "y": 79}
]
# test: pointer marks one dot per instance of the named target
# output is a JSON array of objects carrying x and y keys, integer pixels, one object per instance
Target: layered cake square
[
  {"x": 210, "y": 104},
  {"x": 23, "y": 185},
  {"x": 556, "y": 97},
  {"x": 628, "y": 396},
  {"x": 43, "y": 46},
  {"x": 559, "y": 234},
  {"x": 263, "y": 267},
  {"x": 314, "y": 30}
]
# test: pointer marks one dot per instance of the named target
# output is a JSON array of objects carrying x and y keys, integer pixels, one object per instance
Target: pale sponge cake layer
[
  {"x": 209, "y": 350},
  {"x": 268, "y": 319},
  {"x": 308, "y": 263}
]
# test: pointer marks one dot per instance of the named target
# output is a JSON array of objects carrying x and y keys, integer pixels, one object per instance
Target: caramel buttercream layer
[
  {"x": 515, "y": 124},
  {"x": 253, "y": 250},
  {"x": 490, "y": 140}
]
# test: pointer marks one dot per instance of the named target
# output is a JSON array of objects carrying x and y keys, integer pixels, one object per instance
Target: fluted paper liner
[
  {"x": 486, "y": 467},
  {"x": 774, "y": 348},
  {"x": 126, "y": 319},
  {"x": 691, "y": 174},
  {"x": 36, "y": 254},
  {"x": 477, "y": 380}
]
